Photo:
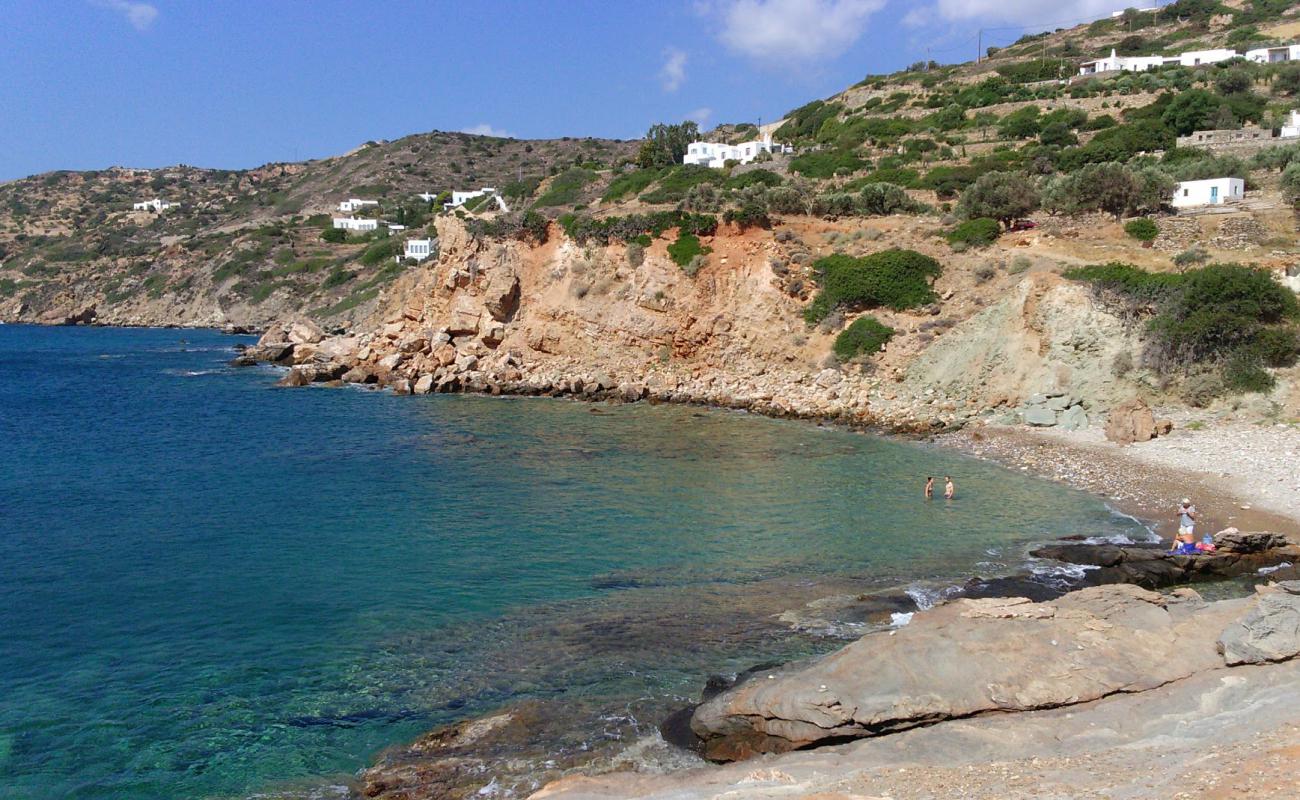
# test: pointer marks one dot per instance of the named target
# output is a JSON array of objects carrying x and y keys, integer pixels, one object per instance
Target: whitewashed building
[
  {"x": 1272, "y": 55},
  {"x": 459, "y": 199},
  {"x": 153, "y": 205},
  {"x": 419, "y": 249},
  {"x": 717, "y": 154},
  {"x": 1291, "y": 129},
  {"x": 1118, "y": 63},
  {"x": 1195, "y": 58},
  {"x": 1212, "y": 192},
  {"x": 353, "y": 204},
  {"x": 427, "y": 197},
  {"x": 355, "y": 224}
]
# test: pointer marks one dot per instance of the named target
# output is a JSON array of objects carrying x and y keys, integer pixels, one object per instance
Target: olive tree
[{"x": 1003, "y": 196}]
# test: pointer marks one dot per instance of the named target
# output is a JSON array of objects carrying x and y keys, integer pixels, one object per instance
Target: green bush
[
  {"x": 677, "y": 181},
  {"x": 979, "y": 232},
  {"x": 631, "y": 183},
  {"x": 334, "y": 235},
  {"x": 566, "y": 188},
  {"x": 1142, "y": 229},
  {"x": 382, "y": 250},
  {"x": 755, "y": 177},
  {"x": 686, "y": 248},
  {"x": 748, "y": 215},
  {"x": 897, "y": 279},
  {"x": 826, "y": 163},
  {"x": 864, "y": 336}
]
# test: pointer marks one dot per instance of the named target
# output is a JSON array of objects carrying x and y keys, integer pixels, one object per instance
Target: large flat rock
[{"x": 970, "y": 657}]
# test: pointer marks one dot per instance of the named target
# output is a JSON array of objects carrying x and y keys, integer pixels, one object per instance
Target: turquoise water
[{"x": 210, "y": 587}]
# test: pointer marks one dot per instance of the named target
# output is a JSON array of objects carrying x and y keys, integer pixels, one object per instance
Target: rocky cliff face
[{"x": 560, "y": 318}]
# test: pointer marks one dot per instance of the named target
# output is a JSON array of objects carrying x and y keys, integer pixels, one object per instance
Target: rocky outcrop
[
  {"x": 1054, "y": 409},
  {"x": 1153, "y": 567},
  {"x": 1133, "y": 421},
  {"x": 970, "y": 657},
  {"x": 1269, "y": 632}
]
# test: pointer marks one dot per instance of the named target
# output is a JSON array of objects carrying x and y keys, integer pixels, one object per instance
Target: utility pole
[{"x": 979, "y": 45}]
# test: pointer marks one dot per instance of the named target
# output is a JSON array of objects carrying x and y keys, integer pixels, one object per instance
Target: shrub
[
  {"x": 686, "y": 248},
  {"x": 1291, "y": 184},
  {"x": 1003, "y": 196},
  {"x": 826, "y": 163},
  {"x": 677, "y": 181},
  {"x": 864, "y": 336},
  {"x": 337, "y": 277},
  {"x": 566, "y": 188},
  {"x": 755, "y": 177},
  {"x": 635, "y": 255},
  {"x": 897, "y": 279},
  {"x": 631, "y": 183},
  {"x": 749, "y": 215},
  {"x": 382, "y": 250},
  {"x": 334, "y": 235},
  {"x": 979, "y": 232},
  {"x": 1193, "y": 255},
  {"x": 885, "y": 198},
  {"x": 1142, "y": 229},
  {"x": 1020, "y": 264}
]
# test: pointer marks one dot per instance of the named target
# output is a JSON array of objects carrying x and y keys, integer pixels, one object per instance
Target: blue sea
[{"x": 213, "y": 588}]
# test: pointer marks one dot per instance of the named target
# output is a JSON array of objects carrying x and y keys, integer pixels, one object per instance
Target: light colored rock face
[
  {"x": 1047, "y": 335},
  {"x": 305, "y": 332},
  {"x": 968, "y": 657},
  {"x": 1269, "y": 632}
]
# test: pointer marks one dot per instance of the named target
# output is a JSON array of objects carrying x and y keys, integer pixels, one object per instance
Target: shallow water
[{"x": 210, "y": 587}]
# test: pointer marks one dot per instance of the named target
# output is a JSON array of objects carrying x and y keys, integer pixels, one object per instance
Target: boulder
[
  {"x": 464, "y": 317},
  {"x": 970, "y": 657},
  {"x": 359, "y": 375},
  {"x": 501, "y": 296},
  {"x": 1039, "y": 416},
  {"x": 1231, "y": 540},
  {"x": 391, "y": 361},
  {"x": 1059, "y": 403},
  {"x": 295, "y": 377},
  {"x": 401, "y": 386},
  {"x": 1073, "y": 418},
  {"x": 423, "y": 384},
  {"x": 1268, "y": 632},
  {"x": 304, "y": 332},
  {"x": 1131, "y": 422}
]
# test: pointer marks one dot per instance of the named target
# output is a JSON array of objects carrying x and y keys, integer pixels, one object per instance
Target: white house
[
  {"x": 1212, "y": 192},
  {"x": 153, "y": 205},
  {"x": 427, "y": 197},
  {"x": 1196, "y": 58},
  {"x": 1291, "y": 129},
  {"x": 354, "y": 224},
  {"x": 353, "y": 204},
  {"x": 461, "y": 198},
  {"x": 1272, "y": 55},
  {"x": 717, "y": 154},
  {"x": 419, "y": 249},
  {"x": 1118, "y": 63}
]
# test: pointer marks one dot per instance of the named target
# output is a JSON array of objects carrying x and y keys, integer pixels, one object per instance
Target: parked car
[{"x": 1023, "y": 225}]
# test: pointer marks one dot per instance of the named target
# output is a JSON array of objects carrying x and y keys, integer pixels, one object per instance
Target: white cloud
[
  {"x": 673, "y": 73},
  {"x": 140, "y": 15},
  {"x": 794, "y": 30},
  {"x": 484, "y": 129},
  {"x": 700, "y": 115},
  {"x": 1031, "y": 13}
]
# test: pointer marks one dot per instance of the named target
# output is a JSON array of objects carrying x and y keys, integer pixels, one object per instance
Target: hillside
[{"x": 881, "y": 267}]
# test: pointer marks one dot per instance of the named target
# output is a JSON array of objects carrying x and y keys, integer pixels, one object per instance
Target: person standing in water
[
  {"x": 949, "y": 491},
  {"x": 929, "y": 487}
]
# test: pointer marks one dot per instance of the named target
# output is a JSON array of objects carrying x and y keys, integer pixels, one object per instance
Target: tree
[
  {"x": 1233, "y": 81},
  {"x": 1003, "y": 196},
  {"x": 984, "y": 120},
  {"x": 665, "y": 145},
  {"x": 334, "y": 235},
  {"x": 1288, "y": 80},
  {"x": 1058, "y": 134},
  {"x": 1291, "y": 184},
  {"x": 1020, "y": 124},
  {"x": 1225, "y": 120},
  {"x": 1191, "y": 110}
]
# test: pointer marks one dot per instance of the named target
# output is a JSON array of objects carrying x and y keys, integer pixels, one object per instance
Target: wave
[{"x": 1274, "y": 568}]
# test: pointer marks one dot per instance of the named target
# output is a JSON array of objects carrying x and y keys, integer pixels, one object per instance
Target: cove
[{"x": 213, "y": 588}]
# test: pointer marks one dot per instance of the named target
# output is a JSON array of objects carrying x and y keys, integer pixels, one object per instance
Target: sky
[{"x": 232, "y": 84}]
